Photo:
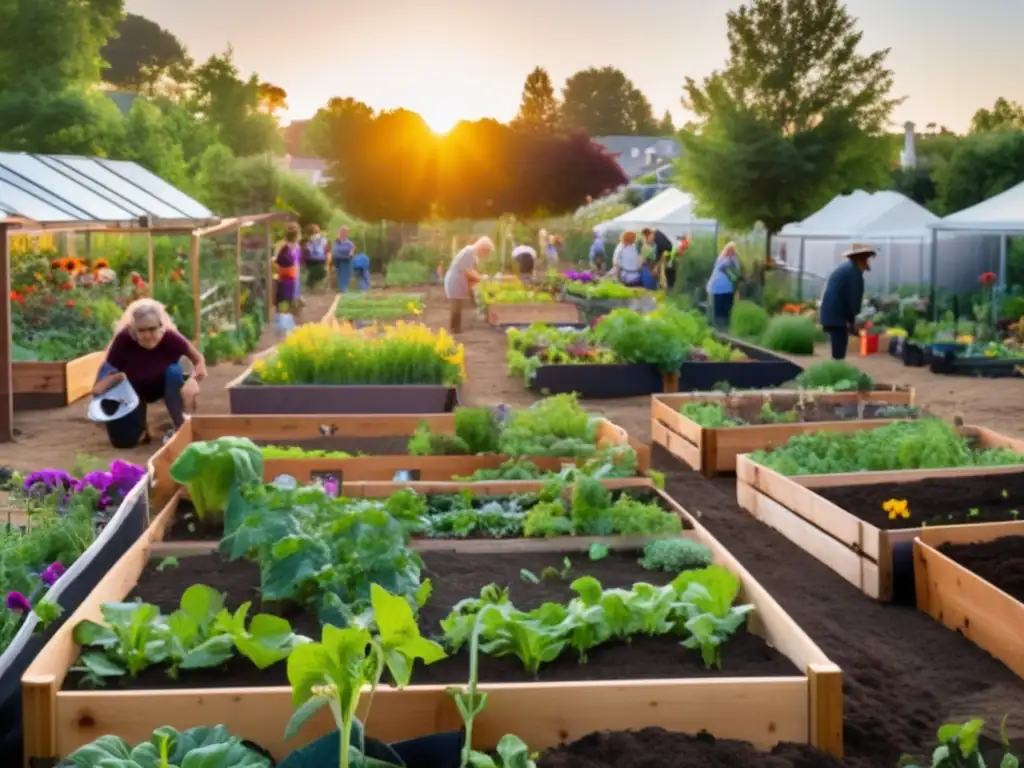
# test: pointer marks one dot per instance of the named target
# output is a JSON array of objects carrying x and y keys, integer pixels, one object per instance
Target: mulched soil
[
  {"x": 656, "y": 747},
  {"x": 985, "y": 499},
  {"x": 904, "y": 674},
  {"x": 999, "y": 562},
  {"x": 456, "y": 577},
  {"x": 367, "y": 446},
  {"x": 748, "y": 410}
]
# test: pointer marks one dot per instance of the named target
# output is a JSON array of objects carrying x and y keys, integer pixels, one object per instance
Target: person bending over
[
  {"x": 842, "y": 299},
  {"x": 146, "y": 352}
]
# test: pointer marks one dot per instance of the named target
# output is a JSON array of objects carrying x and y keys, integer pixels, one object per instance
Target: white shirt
[{"x": 626, "y": 258}]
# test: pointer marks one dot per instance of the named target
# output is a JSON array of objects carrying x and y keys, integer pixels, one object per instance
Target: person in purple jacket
[{"x": 287, "y": 261}]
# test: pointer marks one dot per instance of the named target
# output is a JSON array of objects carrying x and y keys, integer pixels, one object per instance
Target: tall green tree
[
  {"x": 981, "y": 166},
  {"x": 141, "y": 53},
  {"x": 54, "y": 42},
  {"x": 1004, "y": 115},
  {"x": 796, "y": 116},
  {"x": 604, "y": 102},
  {"x": 666, "y": 126},
  {"x": 538, "y": 109}
]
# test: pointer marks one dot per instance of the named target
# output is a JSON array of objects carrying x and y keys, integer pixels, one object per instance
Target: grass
[
  {"x": 402, "y": 274},
  {"x": 357, "y": 307}
]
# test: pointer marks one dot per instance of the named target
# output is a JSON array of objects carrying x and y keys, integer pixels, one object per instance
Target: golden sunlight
[{"x": 440, "y": 120}]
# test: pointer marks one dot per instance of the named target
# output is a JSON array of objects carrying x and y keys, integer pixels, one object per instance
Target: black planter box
[
  {"x": 598, "y": 381},
  {"x": 915, "y": 355},
  {"x": 123, "y": 530},
  {"x": 982, "y": 367},
  {"x": 315, "y": 399}
]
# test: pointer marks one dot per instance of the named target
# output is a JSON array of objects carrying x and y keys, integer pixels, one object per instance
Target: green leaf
[
  {"x": 513, "y": 752},
  {"x": 202, "y": 603},
  {"x": 529, "y": 576},
  {"x": 302, "y": 715},
  {"x": 104, "y": 748},
  {"x": 598, "y": 551}
]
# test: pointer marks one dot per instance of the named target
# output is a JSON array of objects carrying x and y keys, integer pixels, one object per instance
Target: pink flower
[
  {"x": 52, "y": 573},
  {"x": 18, "y": 603}
]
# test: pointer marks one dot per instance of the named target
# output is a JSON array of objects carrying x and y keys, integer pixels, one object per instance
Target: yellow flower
[
  {"x": 413, "y": 309},
  {"x": 896, "y": 508}
]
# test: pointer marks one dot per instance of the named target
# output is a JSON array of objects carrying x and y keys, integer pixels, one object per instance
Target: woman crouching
[{"x": 146, "y": 352}]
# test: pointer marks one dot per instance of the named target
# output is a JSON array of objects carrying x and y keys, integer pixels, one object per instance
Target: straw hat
[
  {"x": 116, "y": 403},
  {"x": 860, "y": 249}
]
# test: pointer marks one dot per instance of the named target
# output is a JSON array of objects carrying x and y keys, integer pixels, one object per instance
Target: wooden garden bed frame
[
  {"x": 56, "y": 384},
  {"x": 959, "y": 599},
  {"x": 805, "y": 707},
  {"x": 290, "y": 429},
  {"x": 552, "y": 313},
  {"x": 713, "y": 451},
  {"x": 859, "y": 552}
]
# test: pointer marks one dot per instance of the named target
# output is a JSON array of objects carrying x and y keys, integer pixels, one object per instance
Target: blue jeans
[
  {"x": 840, "y": 338},
  {"x": 343, "y": 271},
  {"x": 722, "y": 308},
  {"x": 129, "y": 429}
]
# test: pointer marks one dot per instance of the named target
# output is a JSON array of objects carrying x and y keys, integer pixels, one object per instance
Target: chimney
[{"x": 908, "y": 157}]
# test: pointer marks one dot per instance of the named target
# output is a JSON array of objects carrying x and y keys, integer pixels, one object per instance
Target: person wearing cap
[{"x": 843, "y": 297}]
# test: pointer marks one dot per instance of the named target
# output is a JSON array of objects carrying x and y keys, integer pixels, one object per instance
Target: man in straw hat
[{"x": 844, "y": 293}]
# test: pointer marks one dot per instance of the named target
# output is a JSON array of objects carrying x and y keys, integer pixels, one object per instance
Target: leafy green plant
[
  {"x": 201, "y": 634},
  {"x": 792, "y": 334},
  {"x": 675, "y": 555},
  {"x": 958, "y": 748},
  {"x": 555, "y": 426},
  {"x": 769, "y": 415},
  {"x": 296, "y": 452},
  {"x": 214, "y": 473},
  {"x": 403, "y": 274},
  {"x": 195, "y": 748},
  {"x": 476, "y": 431},
  {"x": 835, "y": 376},
  {"x": 357, "y": 307},
  {"x": 748, "y": 320},
  {"x": 610, "y": 461},
  {"x": 334, "y": 671},
  {"x": 709, "y": 415}
]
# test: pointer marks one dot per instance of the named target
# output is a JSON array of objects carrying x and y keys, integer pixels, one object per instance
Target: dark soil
[
  {"x": 456, "y": 577},
  {"x": 657, "y": 748},
  {"x": 366, "y": 446},
  {"x": 904, "y": 674},
  {"x": 749, "y": 410},
  {"x": 186, "y": 526},
  {"x": 991, "y": 499},
  {"x": 999, "y": 562}
]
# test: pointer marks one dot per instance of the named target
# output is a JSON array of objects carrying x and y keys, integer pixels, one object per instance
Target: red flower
[
  {"x": 48, "y": 300},
  {"x": 30, "y": 290},
  {"x": 987, "y": 279},
  {"x": 67, "y": 286},
  {"x": 69, "y": 303},
  {"x": 17, "y": 297}
]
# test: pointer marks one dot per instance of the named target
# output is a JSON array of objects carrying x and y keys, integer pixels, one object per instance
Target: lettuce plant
[
  {"x": 215, "y": 471},
  {"x": 195, "y": 748}
]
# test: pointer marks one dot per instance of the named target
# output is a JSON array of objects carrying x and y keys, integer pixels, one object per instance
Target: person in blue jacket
[
  {"x": 844, "y": 294},
  {"x": 361, "y": 271}
]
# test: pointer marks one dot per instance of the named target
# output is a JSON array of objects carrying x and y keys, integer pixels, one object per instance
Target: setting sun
[{"x": 440, "y": 120}]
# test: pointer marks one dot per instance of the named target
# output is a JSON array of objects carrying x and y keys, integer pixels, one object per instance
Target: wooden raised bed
[
  {"x": 712, "y": 451},
  {"x": 959, "y": 599},
  {"x": 331, "y": 318},
  {"x": 552, "y": 313},
  {"x": 805, "y": 707},
  {"x": 859, "y": 552},
  {"x": 39, "y": 386},
  {"x": 296, "y": 429}
]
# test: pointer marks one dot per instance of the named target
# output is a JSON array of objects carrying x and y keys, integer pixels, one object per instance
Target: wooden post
[
  {"x": 6, "y": 375},
  {"x": 238, "y": 275},
  {"x": 196, "y": 308},
  {"x": 270, "y": 272},
  {"x": 149, "y": 262}
]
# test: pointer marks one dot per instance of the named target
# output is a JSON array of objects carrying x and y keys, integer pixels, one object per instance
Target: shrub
[
  {"x": 402, "y": 274},
  {"x": 748, "y": 320},
  {"x": 675, "y": 555},
  {"x": 835, "y": 375},
  {"x": 790, "y": 333}
]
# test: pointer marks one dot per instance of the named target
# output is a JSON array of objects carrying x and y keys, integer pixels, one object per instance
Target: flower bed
[
  {"x": 68, "y": 535},
  {"x": 848, "y": 498},
  {"x": 351, "y": 449},
  {"x": 707, "y": 431},
  {"x": 784, "y": 689},
  {"x": 971, "y": 580},
  {"x": 400, "y": 368},
  {"x": 510, "y": 302},
  {"x": 627, "y": 353},
  {"x": 374, "y": 307},
  {"x": 599, "y": 297}
]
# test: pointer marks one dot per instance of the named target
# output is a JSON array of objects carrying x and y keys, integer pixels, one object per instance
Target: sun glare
[{"x": 441, "y": 122}]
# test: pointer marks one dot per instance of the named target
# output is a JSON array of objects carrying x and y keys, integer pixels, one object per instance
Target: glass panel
[
  {"x": 92, "y": 172},
  {"x": 96, "y": 206},
  {"x": 20, "y": 203},
  {"x": 158, "y": 188}
]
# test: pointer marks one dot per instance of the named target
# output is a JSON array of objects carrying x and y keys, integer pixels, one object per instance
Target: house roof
[{"x": 631, "y": 151}]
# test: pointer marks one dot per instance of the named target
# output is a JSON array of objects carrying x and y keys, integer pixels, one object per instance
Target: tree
[
  {"x": 141, "y": 53},
  {"x": 55, "y": 43},
  {"x": 1004, "y": 115},
  {"x": 272, "y": 98},
  {"x": 667, "y": 126},
  {"x": 333, "y": 127},
  {"x": 604, "y": 102},
  {"x": 796, "y": 116},
  {"x": 981, "y": 166},
  {"x": 150, "y": 141},
  {"x": 538, "y": 110},
  {"x": 69, "y": 121}
]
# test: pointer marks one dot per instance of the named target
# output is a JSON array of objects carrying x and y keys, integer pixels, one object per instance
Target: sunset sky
[{"x": 465, "y": 59}]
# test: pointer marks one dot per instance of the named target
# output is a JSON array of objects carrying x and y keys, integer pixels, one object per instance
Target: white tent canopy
[
  {"x": 877, "y": 216},
  {"x": 1001, "y": 215},
  {"x": 670, "y": 211}
]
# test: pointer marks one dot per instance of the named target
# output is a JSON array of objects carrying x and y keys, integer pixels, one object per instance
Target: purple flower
[
  {"x": 126, "y": 476},
  {"x": 49, "y": 479},
  {"x": 18, "y": 602},
  {"x": 104, "y": 503},
  {"x": 49, "y": 577},
  {"x": 101, "y": 481}
]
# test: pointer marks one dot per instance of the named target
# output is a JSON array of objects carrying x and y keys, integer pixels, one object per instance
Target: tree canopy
[
  {"x": 538, "y": 110},
  {"x": 141, "y": 54},
  {"x": 604, "y": 102},
  {"x": 1004, "y": 115},
  {"x": 796, "y": 116}
]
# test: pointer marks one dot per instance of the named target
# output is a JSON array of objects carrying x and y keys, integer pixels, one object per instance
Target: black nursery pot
[{"x": 439, "y": 750}]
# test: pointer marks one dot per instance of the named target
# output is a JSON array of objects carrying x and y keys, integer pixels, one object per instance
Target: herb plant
[
  {"x": 675, "y": 555},
  {"x": 958, "y": 748},
  {"x": 195, "y": 748},
  {"x": 835, "y": 376},
  {"x": 709, "y": 415}
]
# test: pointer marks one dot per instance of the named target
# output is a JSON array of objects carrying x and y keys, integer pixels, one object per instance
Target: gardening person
[
  {"x": 144, "y": 361},
  {"x": 626, "y": 264},
  {"x": 462, "y": 276},
  {"x": 843, "y": 296},
  {"x": 361, "y": 271},
  {"x": 598, "y": 255},
  {"x": 525, "y": 258},
  {"x": 725, "y": 276},
  {"x": 287, "y": 261},
  {"x": 314, "y": 257},
  {"x": 662, "y": 246},
  {"x": 342, "y": 252}
]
